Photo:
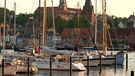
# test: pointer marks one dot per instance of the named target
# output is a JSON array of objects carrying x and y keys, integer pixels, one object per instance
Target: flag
[{"x": 31, "y": 18}]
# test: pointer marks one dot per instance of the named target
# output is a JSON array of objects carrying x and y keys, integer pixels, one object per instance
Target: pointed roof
[{"x": 121, "y": 25}]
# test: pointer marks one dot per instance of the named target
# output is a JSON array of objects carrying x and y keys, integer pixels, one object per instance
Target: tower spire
[{"x": 63, "y": 4}]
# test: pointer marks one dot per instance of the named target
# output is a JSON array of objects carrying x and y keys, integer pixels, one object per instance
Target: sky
[{"x": 119, "y": 8}]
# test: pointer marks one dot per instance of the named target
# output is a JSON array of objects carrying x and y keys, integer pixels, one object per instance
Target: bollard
[
  {"x": 126, "y": 61},
  {"x": 87, "y": 65},
  {"x": 132, "y": 73},
  {"x": 28, "y": 67},
  {"x": 50, "y": 66},
  {"x": 70, "y": 66},
  {"x": 3, "y": 67},
  {"x": 100, "y": 64},
  {"x": 115, "y": 63}
]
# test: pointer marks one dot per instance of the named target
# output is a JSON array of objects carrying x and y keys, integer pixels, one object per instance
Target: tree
[
  {"x": 60, "y": 24},
  {"x": 22, "y": 19},
  {"x": 2, "y": 15},
  {"x": 83, "y": 22}
]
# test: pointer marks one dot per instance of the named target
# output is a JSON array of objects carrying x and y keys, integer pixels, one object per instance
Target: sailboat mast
[
  {"x": 14, "y": 23},
  {"x": 104, "y": 28},
  {"x": 33, "y": 33},
  {"x": 96, "y": 22},
  {"x": 78, "y": 23},
  {"x": 54, "y": 33},
  {"x": 44, "y": 24},
  {"x": 4, "y": 25}
]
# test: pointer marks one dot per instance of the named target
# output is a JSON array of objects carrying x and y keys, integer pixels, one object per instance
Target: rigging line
[
  {"x": 89, "y": 30},
  {"x": 114, "y": 30},
  {"x": 110, "y": 39},
  {"x": 100, "y": 6},
  {"x": 25, "y": 29},
  {"x": 32, "y": 6},
  {"x": 91, "y": 35},
  {"x": 9, "y": 24},
  {"x": 28, "y": 21}
]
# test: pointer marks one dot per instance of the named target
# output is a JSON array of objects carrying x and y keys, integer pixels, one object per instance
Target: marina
[
  {"x": 30, "y": 48},
  {"x": 121, "y": 70}
]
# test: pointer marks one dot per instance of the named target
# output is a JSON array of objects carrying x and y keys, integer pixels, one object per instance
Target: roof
[{"x": 121, "y": 32}]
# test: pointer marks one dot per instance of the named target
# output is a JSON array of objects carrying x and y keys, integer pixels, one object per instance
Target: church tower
[
  {"x": 63, "y": 4},
  {"x": 88, "y": 10}
]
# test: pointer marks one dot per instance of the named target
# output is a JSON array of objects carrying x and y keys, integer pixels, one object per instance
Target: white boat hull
[
  {"x": 108, "y": 61},
  {"x": 92, "y": 62},
  {"x": 23, "y": 69},
  {"x": 63, "y": 66}
]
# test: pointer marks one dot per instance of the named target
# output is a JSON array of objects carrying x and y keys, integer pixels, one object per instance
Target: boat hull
[
  {"x": 9, "y": 70},
  {"x": 108, "y": 60},
  {"x": 61, "y": 66},
  {"x": 120, "y": 59},
  {"x": 92, "y": 62},
  {"x": 24, "y": 69}
]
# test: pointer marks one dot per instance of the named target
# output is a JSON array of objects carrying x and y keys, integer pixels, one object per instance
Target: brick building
[{"x": 68, "y": 13}]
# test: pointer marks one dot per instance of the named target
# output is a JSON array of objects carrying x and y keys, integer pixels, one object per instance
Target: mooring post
[
  {"x": 50, "y": 66},
  {"x": 126, "y": 61},
  {"x": 70, "y": 66},
  {"x": 88, "y": 65},
  {"x": 115, "y": 63},
  {"x": 3, "y": 67},
  {"x": 132, "y": 73},
  {"x": 28, "y": 67},
  {"x": 100, "y": 63}
]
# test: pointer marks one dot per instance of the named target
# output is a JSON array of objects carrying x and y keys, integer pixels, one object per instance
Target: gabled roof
[{"x": 121, "y": 32}]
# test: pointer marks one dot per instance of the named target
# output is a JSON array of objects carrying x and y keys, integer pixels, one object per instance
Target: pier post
[
  {"x": 50, "y": 66},
  {"x": 87, "y": 65},
  {"x": 126, "y": 61},
  {"x": 100, "y": 64},
  {"x": 28, "y": 66},
  {"x": 132, "y": 73},
  {"x": 70, "y": 66},
  {"x": 115, "y": 63},
  {"x": 2, "y": 67}
]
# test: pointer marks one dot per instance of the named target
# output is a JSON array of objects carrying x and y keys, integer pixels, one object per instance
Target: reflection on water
[
  {"x": 61, "y": 73},
  {"x": 94, "y": 71}
]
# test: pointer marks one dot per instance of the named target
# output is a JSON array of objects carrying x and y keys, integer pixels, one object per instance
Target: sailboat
[
  {"x": 106, "y": 59},
  {"x": 44, "y": 63},
  {"x": 120, "y": 55}
]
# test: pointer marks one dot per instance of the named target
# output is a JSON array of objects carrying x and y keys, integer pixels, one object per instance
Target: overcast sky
[{"x": 119, "y": 8}]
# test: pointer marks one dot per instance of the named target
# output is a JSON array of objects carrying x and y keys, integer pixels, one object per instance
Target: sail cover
[{"x": 46, "y": 49}]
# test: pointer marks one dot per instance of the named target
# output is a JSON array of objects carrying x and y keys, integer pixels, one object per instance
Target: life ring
[
  {"x": 64, "y": 58},
  {"x": 34, "y": 69}
]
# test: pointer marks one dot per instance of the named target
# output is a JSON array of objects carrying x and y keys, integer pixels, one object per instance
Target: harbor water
[{"x": 93, "y": 71}]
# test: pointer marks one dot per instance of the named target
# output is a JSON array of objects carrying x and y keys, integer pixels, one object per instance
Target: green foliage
[
  {"x": 22, "y": 19},
  {"x": 60, "y": 24},
  {"x": 83, "y": 22},
  {"x": 2, "y": 15},
  {"x": 114, "y": 22},
  {"x": 49, "y": 21},
  {"x": 114, "y": 42}
]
